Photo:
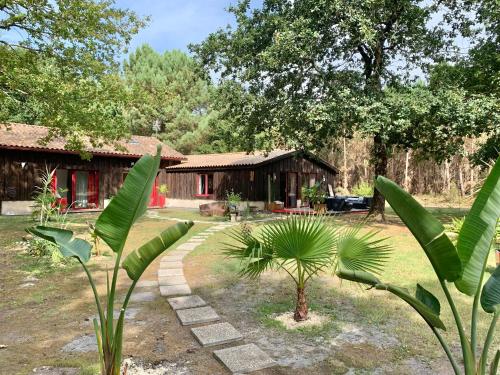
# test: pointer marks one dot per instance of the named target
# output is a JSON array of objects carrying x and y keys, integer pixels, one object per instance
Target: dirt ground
[
  {"x": 37, "y": 321},
  {"x": 368, "y": 333}
]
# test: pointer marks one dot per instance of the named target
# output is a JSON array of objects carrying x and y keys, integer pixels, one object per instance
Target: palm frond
[
  {"x": 254, "y": 256},
  {"x": 357, "y": 251},
  {"x": 301, "y": 240}
]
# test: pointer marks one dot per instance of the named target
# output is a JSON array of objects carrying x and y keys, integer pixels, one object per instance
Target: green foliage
[
  {"x": 233, "y": 200},
  {"x": 163, "y": 189},
  {"x": 302, "y": 247},
  {"x": 465, "y": 264},
  {"x": 61, "y": 71},
  {"x": 305, "y": 72},
  {"x": 363, "y": 189},
  {"x": 113, "y": 227},
  {"x": 314, "y": 194},
  {"x": 170, "y": 98}
]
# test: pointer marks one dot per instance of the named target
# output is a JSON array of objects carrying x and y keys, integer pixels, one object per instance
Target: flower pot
[
  {"x": 320, "y": 208},
  {"x": 233, "y": 218},
  {"x": 161, "y": 200}
]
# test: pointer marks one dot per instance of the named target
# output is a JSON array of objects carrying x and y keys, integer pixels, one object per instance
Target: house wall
[
  {"x": 18, "y": 184},
  {"x": 183, "y": 184}
]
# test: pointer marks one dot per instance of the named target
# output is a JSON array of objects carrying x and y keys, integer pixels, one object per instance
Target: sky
[{"x": 175, "y": 24}]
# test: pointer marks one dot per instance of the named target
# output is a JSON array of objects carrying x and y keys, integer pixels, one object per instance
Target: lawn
[
  {"x": 403, "y": 343},
  {"x": 367, "y": 331}
]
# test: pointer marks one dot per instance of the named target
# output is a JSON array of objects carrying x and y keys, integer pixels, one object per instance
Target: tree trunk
[
  {"x": 301, "y": 309},
  {"x": 447, "y": 182},
  {"x": 379, "y": 155},
  {"x": 345, "y": 184},
  {"x": 407, "y": 176}
]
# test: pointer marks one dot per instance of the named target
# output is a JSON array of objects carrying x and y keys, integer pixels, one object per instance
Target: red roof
[{"x": 28, "y": 137}]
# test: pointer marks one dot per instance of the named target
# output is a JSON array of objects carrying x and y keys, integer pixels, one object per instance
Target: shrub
[{"x": 363, "y": 189}]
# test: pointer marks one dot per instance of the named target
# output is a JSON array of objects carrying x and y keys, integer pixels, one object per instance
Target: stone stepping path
[
  {"x": 244, "y": 358},
  {"x": 197, "y": 315},
  {"x": 186, "y": 302},
  {"x": 216, "y": 334},
  {"x": 193, "y": 310}
]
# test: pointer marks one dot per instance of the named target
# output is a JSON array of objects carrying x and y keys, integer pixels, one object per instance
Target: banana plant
[
  {"x": 113, "y": 227},
  {"x": 463, "y": 264}
]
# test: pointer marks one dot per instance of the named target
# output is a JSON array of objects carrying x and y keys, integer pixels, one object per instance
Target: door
[{"x": 292, "y": 190}]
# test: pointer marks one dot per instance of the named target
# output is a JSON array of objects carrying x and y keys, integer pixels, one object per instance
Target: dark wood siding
[
  {"x": 19, "y": 183},
  {"x": 182, "y": 184}
]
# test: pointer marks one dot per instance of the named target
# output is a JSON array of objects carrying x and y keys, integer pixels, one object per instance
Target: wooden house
[
  {"x": 260, "y": 178},
  {"x": 191, "y": 180},
  {"x": 79, "y": 184}
]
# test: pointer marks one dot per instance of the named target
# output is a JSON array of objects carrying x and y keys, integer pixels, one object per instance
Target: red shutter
[{"x": 53, "y": 182}]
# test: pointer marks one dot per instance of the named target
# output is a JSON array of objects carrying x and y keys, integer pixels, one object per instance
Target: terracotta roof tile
[
  {"x": 23, "y": 136},
  {"x": 230, "y": 159}
]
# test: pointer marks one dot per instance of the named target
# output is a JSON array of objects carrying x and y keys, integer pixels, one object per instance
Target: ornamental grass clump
[
  {"x": 113, "y": 227},
  {"x": 463, "y": 263},
  {"x": 303, "y": 246}
]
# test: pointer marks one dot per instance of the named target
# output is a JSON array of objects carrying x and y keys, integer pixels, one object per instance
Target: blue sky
[{"x": 175, "y": 24}]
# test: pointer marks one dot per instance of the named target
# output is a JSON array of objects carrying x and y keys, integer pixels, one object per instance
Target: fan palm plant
[
  {"x": 463, "y": 264},
  {"x": 113, "y": 227},
  {"x": 302, "y": 246}
]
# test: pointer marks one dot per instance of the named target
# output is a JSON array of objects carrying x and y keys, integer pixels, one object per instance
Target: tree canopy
[
  {"x": 170, "y": 97},
  {"x": 304, "y": 72},
  {"x": 59, "y": 66}
]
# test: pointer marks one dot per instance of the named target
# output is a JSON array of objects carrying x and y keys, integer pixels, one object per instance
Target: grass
[
  {"x": 210, "y": 271},
  {"x": 346, "y": 301}
]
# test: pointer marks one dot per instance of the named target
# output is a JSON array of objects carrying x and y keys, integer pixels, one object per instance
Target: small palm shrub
[
  {"x": 113, "y": 226},
  {"x": 302, "y": 246},
  {"x": 463, "y": 264}
]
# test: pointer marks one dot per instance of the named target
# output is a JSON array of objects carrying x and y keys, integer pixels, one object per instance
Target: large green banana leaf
[
  {"x": 474, "y": 240},
  {"x": 69, "y": 246},
  {"x": 426, "y": 306},
  {"x": 114, "y": 223},
  {"x": 428, "y": 231},
  {"x": 137, "y": 261},
  {"x": 490, "y": 295}
]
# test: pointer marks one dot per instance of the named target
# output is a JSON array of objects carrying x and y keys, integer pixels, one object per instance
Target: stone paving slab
[
  {"x": 170, "y": 272},
  {"x": 244, "y": 358},
  {"x": 175, "y": 253},
  {"x": 49, "y": 370},
  {"x": 143, "y": 297},
  {"x": 188, "y": 246},
  {"x": 197, "y": 315},
  {"x": 175, "y": 290},
  {"x": 171, "y": 265},
  {"x": 195, "y": 239},
  {"x": 81, "y": 344},
  {"x": 172, "y": 280},
  {"x": 173, "y": 258},
  {"x": 216, "y": 334},
  {"x": 146, "y": 284},
  {"x": 187, "y": 302}
]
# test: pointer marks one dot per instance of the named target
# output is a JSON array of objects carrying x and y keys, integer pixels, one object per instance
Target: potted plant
[
  {"x": 163, "y": 190},
  {"x": 232, "y": 201},
  {"x": 316, "y": 197}
]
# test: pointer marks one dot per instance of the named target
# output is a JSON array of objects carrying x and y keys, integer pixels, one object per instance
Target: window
[
  {"x": 205, "y": 184},
  {"x": 84, "y": 189},
  {"x": 308, "y": 179}
]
